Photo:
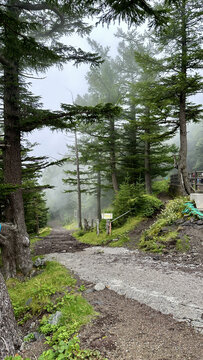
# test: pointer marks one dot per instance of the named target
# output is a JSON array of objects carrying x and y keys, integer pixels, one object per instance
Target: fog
[{"x": 62, "y": 86}]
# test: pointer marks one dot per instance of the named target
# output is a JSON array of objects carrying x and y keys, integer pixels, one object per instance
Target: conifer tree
[
  {"x": 148, "y": 119},
  {"x": 180, "y": 40}
]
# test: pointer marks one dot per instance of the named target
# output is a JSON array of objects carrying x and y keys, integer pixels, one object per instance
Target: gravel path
[{"x": 156, "y": 284}]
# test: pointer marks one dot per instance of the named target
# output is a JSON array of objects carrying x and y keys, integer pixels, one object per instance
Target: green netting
[{"x": 191, "y": 210}]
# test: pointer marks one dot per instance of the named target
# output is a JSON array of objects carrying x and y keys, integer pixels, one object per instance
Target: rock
[
  {"x": 32, "y": 325},
  {"x": 54, "y": 318},
  {"x": 187, "y": 223},
  {"x": 38, "y": 336},
  {"x": 88, "y": 291},
  {"x": 179, "y": 221},
  {"x": 165, "y": 229},
  {"x": 99, "y": 287},
  {"x": 156, "y": 258},
  {"x": 199, "y": 222},
  {"x": 23, "y": 346},
  {"x": 28, "y": 302},
  {"x": 98, "y": 302},
  {"x": 39, "y": 262}
]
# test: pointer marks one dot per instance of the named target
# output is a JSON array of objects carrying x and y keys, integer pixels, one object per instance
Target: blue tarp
[{"x": 191, "y": 210}]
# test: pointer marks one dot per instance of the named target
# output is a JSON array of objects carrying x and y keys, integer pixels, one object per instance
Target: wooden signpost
[{"x": 108, "y": 217}]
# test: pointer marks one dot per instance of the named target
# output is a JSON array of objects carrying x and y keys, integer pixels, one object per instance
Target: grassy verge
[
  {"x": 163, "y": 233},
  {"x": 42, "y": 233},
  {"x": 118, "y": 237},
  {"x": 72, "y": 226},
  {"x": 38, "y": 297}
]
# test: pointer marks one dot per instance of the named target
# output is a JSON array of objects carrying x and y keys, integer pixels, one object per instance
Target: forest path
[
  {"x": 155, "y": 283},
  {"x": 126, "y": 328},
  {"x": 60, "y": 240}
]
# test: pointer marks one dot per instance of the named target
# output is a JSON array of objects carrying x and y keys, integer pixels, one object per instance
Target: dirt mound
[
  {"x": 189, "y": 229},
  {"x": 60, "y": 240}
]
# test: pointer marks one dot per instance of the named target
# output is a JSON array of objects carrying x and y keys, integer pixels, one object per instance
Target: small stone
[
  {"x": 199, "y": 222},
  {"x": 54, "y": 318},
  {"x": 38, "y": 336},
  {"x": 156, "y": 258},
  {"x": 187, "y": 223},
  {"x": 32, "y": 325},
  {"x": 28, "y": 302},
  {"x": 179, "y": 221},
  {"x": 88, "y": 291},
  {"x": 39, "y": 262},
  {"x": 99, "y": 287},
  {"x": 23, "y": 346},
  {"x": 98, "y": 302}
]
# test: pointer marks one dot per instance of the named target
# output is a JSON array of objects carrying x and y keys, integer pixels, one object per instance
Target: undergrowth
[
  {"x": 118, "y": 237},
  {"x": 158, "y": 236},
  {"x": 36, "y": 292},
  {"x": 53, "y": 290}
]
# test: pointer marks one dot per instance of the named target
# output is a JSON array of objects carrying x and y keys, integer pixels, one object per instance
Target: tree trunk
[
  {"x": 182, "y": 164},
  {"x": 78, "y": 184},
  {"x": 113, "y": 156},
  {"x": 99, "y": 195},
  {"x": 10, "y": 340},
  {"x": 148, "y": 180},
  {"x": 21, "y": 258}
]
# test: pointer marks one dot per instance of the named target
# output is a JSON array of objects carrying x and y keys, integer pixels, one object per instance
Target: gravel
[{"x": 154, "y": 283}]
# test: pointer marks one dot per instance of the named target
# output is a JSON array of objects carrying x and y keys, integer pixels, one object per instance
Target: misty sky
[{"x": 62, "y": 86}]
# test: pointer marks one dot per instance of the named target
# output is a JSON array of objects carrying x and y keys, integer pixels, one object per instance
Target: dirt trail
[
  {"x": 135, "y": 307},
  {"x": 60, "y": 240},
  {"x": 157, "y": 285}
]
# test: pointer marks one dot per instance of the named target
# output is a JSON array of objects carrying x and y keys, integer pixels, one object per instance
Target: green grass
[
  {"x": 42, "y": 233},
  {"x": 183, "y": 245},
  {"x": 72, "y": 226},
  {"x": 38, "y": 290},
  {"x": 54, "y": 290},
  {"x": 119, "y": 236},
  {"x": 153, "y": 239}
]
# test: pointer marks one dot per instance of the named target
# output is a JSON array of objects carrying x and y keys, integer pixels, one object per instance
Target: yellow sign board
[{"x": 107, "y": 216}]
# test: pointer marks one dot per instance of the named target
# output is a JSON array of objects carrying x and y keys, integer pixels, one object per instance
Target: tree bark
[
  {"x": 113, "y": 156},
  {"x": 148, "y": 180},
  {"x": 10, "y": 340},
  {"x": 21, "y": 258},
  {"x": 99, "y": 195},
  {"x": 182, "y": 164},
  {"x": 78, "y": 183}
]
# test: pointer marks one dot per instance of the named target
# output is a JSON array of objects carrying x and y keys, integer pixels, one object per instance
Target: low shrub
[
  {"x": 133, "y": 199},
  {"x": 153, "y": 240},
  {"x": 160, "y": 186}
]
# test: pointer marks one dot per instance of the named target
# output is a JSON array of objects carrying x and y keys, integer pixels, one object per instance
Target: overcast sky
[{"x": 62, "y": 86}]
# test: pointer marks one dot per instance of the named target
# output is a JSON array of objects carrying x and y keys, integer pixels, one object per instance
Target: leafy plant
[
  {"x": 70, "y": 350},
  {"x": 160, "y": 186},
  {"x": 132, "y": 198},
  {"x": 153, "y": 240}
]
